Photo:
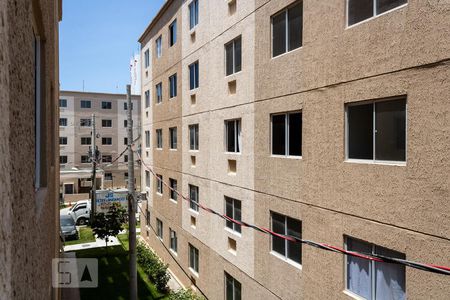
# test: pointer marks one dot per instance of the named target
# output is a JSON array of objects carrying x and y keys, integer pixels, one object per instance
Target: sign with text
[{"x": 105, "y": 199}]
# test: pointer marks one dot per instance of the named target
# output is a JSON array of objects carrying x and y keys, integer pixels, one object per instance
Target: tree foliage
[{"x": 110, "y": 224}]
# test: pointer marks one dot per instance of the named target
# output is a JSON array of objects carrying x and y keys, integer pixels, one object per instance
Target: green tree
[{"x": 109, "y": 224}]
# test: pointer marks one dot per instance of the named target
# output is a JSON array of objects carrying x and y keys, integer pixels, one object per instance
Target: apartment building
[
  {"x": 322, "y": 120},
  {"x": 75, "y": 127},
  {"x": 29, "y": 80}
]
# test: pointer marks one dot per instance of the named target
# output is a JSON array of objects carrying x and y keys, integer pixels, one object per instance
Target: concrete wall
[{"x": 29, "y": 214}]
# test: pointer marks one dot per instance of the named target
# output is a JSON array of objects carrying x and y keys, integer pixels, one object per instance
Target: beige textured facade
[
  {"x": 29, "y": 80},
  {"x": 75, "y": 127},
  {"x": 401, "y": 205}
]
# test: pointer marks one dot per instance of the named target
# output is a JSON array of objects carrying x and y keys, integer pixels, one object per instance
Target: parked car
[
  {"x": 68, "y": 228},
  {"x": 80, "y": 212}
]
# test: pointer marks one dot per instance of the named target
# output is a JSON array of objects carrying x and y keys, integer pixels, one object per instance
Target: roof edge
[
  {"x": 95, "y": 93},
  {"x": 158, "y": 16}
]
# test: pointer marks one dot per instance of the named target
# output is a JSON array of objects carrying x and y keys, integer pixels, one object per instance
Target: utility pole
[
  {"x": 131, "y": 201},
  {"x": 94, "y": 168}
]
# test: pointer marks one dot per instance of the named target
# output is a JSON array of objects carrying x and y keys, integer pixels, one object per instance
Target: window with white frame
[
  {"x": 232, "y": 288},
  {"x": 63, "y": 140},
  {"x": 63, "y": 122},
  {"x": 159, "y": 184},
  {"x": 106, "y": 105},
  {"x": 173, "y": 137},
  {"x": 173, "y": 33},
  {"x": 193, "y": 14},
  {"x": 159, "y": 139},
  {"x": 147, "y": 58},
  {"x": 85, "y": 104},
  {"x": 194, "y": 76},
  {"x": 85, "y": 122},
  {"x": 108, "y": 176},
  {"x": 173, "y": 189},
  {"x": 376, "y": 130},
  {"x": 159, "y": 228},
  {"x": 62, "y": 103},
  {"x": 147, "y": 99},
  {"x": 85, "y": 159},
  {"x": 287, "y": 134},
  {"x": 147, "y": 139},
  {"x": 159, "y": 46},
  {"x": 125, "y": 106},
  {"x": 107, "y": 159},
  {"x": 147, "y": 179},
  {"x": 86, "y": 141},
  {"x": 193, "y": 197},
  {"x": 287, "y": 28},
  {"x": 374, "y": 280},
  {"x": 233, "y": 135},
  {"x": 290, "y": 227},
  {"x": 173, "y": 240},
  {"x": 360, "y": 10},
  {"x": 106, "y": 141},
  {"x": 233, "y": 210},
  {"x": 233, "y": 56},
  {"x": 158, "y": 89},
  {"x": 193, "y": 258},
  {"x": 173, "y": 86},
  {"x": 193, "y": 137},
  {"x": 106, "y": 123}
]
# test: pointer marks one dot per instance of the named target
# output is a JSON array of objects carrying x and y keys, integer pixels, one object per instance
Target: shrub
[
  {"x": 153, "y": 267},
  {"x": 184, "y": 295}
]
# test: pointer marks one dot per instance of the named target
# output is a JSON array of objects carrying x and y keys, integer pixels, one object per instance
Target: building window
[
  {"x": 233, "y": 59},
  {"x": 86, "y": 141},
  {"x": 125, "y": 158},
  {"x": 173, "y": 137},
  {"x": 147, "y": 139},
  {"x": 85, "y": 104},
  {"x": 159, "y": 46},
  {"x": 232, "y": 288},
  {"x": 147, "y": 217},
  {"x": 147, "y": 179},
  {"x": 63, "y": 159},
  {"x": 106, "y": 123},
  {"x": 193, "y": 196},
  {"x": 374, "y": 280},
  {"x": 62, "y": 121},
  {"x": 173, "y": 189},
  {"x": 360, "y": 10},
  {"x": 125, "y": 106},
  {"x": 106, "y": 141},
  {"x": 85, "y": 159},
  {"x": 159, "y": 184},
  {"x": 63, "y": 140},
  {"x": 173, "y": 33},
  {"x": 193, "y": 258},
  {"x": 233, "y": 135},
  {"x": 233, "y": 210},
  {"x": 106, "y": 105},
  {"x": 147, "y": 58},
  {"x": 193, "y": 76},
  {"x": 108, "y": 176},
  {"x": 159, "y": 139},
  {"x": 193, "y": 137},
  {"x": 62, "y": 103},
  {"x": 173, "y": 86},
  {"x": 193, "y": 14},
  {"x": 291, "y": 227},
  {"x": 287, "y": 134},
  {"x": 125, "y": 123},
  {"x": 147, "y": 99},
  {"x": 287, "y": 27},
  {"x": 173, "y": 241},
  {"x": 125, "y": 141},
  {"x": 377, "y": 130},
  {"x": 125, "y": 175},
  {"x": 158, "y": 93},
  {"x": 106, "y": 158},
  {"x": 159, "y": 228},
  {"x": 85, "y": 122}
]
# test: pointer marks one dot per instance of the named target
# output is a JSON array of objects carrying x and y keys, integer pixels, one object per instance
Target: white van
[{"x": 80, "y": 212}]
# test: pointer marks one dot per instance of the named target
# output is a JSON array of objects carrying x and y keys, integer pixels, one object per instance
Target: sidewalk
[{"x": 113, "y": 241}]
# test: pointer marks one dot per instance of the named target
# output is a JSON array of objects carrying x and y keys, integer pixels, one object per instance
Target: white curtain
[
  {"x": 358, "y": 277},
  {"x": 390, "y": 278}
]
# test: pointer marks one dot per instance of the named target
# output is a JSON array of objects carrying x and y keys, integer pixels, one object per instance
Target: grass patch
[
  {"x": 113, "y": 277},
  {"x": 86, "y": 236}
]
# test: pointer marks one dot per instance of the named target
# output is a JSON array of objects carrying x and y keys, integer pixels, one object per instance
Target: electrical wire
[{"x": 368, "y": 256}]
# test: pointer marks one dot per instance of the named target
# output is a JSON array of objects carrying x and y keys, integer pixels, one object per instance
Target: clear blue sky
[{"x": 97, "y": 40}]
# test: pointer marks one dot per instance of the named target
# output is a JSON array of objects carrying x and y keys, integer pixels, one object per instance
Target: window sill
[
  {"x": 374, "y": 17},
  {"x": 287, "y": 52},
  {"x": 159, "y": 194},
  {"x": 194, "y": 212},
  {"x": 232, "y": 77},
  {"x": 235, "y": 233},
  {"x": 193, "y": 30},
  {"x": 287, "y": 156},
  {"x": 173, "y": 201},
  {"x": 193, "y": 151},
  {"x": 160, "y": 149},
  {"x": 376, "y": 162},
  {"x": 286, "y": 260},
  {"x": 232, "y": 153},
  {"x": 174, "y": 150},
  {"x": 173, "y": 98},
  {"x": 193, "y": 91},
  {"x": 353, "y": 295},
  {"x": 193, "y": 272},
  {"x": 173, "y": 252}
]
